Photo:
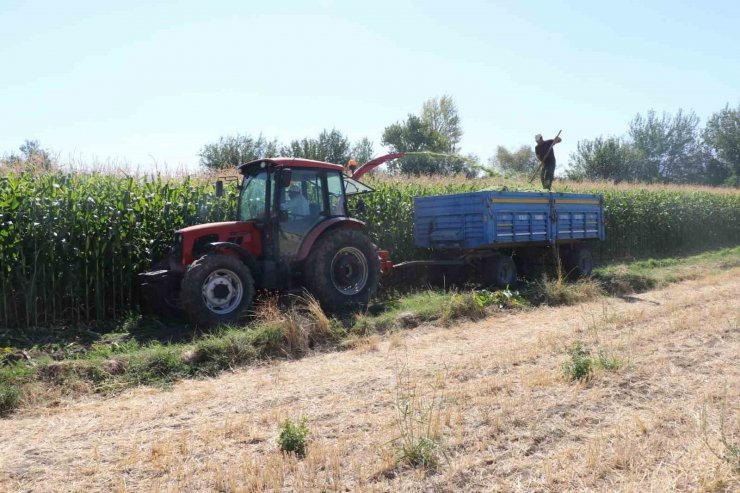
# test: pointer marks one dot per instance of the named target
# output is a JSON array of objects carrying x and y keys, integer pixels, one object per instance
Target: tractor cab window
[
  {"x": 354, "y": 187},
  {"x": 301, "y": 206},
  {"x": 303, "y": 198},
  {"x": 253, "y": 197},
  {"x": 337, "y": 203}
]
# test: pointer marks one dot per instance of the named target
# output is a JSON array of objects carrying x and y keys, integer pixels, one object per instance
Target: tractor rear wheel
[
  {"x": 343, "y": 270},
  {"x": 217, "y": 289}
]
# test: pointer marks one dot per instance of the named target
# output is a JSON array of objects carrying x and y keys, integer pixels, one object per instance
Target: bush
[
  {"x": 9, "y": 397},
  {"x": 421, "y": 452},
  {"x": 462, "y": 305},
  {"x": 157, "y": 365},
  {"x": 293, "y": 437},
  {"x": 502, "y": 298},
  {"x": 608, "y": 362},
  {"x": 580, "y": 365},
  {"x": 70, "y": 371},
  {"x": 718, "y": 436},
  {"x": 558, "y": 292},
  {"x": 620, "y": 281},
  {"x": 223, "y": 352},
  {"x": 417, "y": 421},
  {"x": 267, "y": 339}
]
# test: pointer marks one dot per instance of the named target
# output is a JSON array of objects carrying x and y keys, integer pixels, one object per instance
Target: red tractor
[{"x": 292, "y": 231}]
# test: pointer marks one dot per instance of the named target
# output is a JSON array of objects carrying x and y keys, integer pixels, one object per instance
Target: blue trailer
[{"x": 499, "y": 233}]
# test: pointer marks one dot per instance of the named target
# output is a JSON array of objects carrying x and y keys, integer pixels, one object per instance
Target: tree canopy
[
  {"x": 231, "y": 151},
  {"x": 656, "y": 147},
  {"x": 520, "y": 161},
  {"x": 722, "y": 136},
  {"x": 331, "y": 146},
  {"x": 32, "y": 155},
  {"x": 436, "y": 132},
  {"x": 668, "y": 148},
  {"x": 610, "y": 158}
]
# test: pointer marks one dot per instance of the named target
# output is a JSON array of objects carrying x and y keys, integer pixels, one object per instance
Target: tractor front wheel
[
  {"x": 343, "y": 270},
  {"x": 217, "y": 289}
]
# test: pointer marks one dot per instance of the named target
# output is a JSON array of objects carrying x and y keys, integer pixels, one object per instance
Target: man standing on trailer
[{"x": 546, "y": 155}]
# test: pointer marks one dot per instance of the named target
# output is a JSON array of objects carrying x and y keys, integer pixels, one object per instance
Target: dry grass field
[{"x": 499, "y": 404}]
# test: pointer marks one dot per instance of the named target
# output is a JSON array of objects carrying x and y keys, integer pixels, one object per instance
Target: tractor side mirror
[
  {"x": 285, "y": 176},
  {"x": 220, "y": 188}
]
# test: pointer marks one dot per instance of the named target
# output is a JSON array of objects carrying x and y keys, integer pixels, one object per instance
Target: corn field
[{"x": 71, "y": 244}]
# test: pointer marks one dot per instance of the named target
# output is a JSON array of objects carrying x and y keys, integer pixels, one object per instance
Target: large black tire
[
  {"x": 343, "y": 270},
  {"x": 579, "y": 262},
  {"x": 499, "y": 270},
  {"x": 217, "y": 289}
]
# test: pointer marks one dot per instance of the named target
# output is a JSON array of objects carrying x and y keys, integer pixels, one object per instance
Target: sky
[{"x": 147, "y": 84}]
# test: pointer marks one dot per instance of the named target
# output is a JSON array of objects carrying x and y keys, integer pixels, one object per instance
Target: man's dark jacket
[{"x": 542, "y": 148}]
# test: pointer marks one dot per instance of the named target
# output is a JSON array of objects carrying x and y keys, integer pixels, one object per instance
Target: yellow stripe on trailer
[
  {"x": 576, "y": 201},
  {"x": 520, "y": 201}
]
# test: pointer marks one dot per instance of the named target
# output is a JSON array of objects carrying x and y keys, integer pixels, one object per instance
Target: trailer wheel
[
  {"x": 499, "y": 270},
  {"x": 217, "y": 289},
  {"x": 579, "y": 262},
  {"x": 343, "y": 270}
]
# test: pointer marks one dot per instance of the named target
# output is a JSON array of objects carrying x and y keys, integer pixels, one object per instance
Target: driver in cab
[{"x": 297, "y": 204}]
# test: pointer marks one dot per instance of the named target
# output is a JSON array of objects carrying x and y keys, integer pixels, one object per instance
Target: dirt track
[{"x": 508, "y": 418}]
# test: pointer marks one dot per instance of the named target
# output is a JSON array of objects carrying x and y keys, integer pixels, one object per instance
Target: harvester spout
[{"x": 374, "y": 163}]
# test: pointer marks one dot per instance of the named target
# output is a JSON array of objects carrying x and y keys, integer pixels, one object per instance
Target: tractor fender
[
  {"x": 237, "y": 251},
  {"x": 334, "y": 223}
]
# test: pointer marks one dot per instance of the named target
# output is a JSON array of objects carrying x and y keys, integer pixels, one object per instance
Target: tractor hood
[
  {"x": 209, "y": 227},
  {"x": 195, "y": 240}
]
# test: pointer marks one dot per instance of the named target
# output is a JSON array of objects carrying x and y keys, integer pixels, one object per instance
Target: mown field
[
  {"x": 71, "y": 244},
  {"x": 637, "y": 393}
]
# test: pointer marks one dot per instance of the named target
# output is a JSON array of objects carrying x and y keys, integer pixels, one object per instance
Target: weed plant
[{"x": 293, "y": 437}]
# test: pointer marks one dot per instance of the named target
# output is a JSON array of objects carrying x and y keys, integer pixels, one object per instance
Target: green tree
[
  {"x": 605, "y": 158},
  {"x": 231, "y": 151},
  {"x": 331, "y": 146},
  {"x": 442, "y": 116},
  {"x": 435, "y": 132},
  {"x": 363, "y": 151},
  {"x": 336, "y": 147},
  {"x": 722, "y": 136},
  {"x": 521, "y": 161},
  {"x": 32, "y": 155},
  {"x": 671, "y": 147},
  {"x": 306, "y": 148},
  {"x": 414, "y": 135}
]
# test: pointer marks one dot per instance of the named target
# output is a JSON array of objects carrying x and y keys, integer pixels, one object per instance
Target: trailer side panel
[{"x": 490, "y": 219}]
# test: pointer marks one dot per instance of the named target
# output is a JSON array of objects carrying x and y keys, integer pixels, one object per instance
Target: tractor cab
[{"x": 288, "y": 199}]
